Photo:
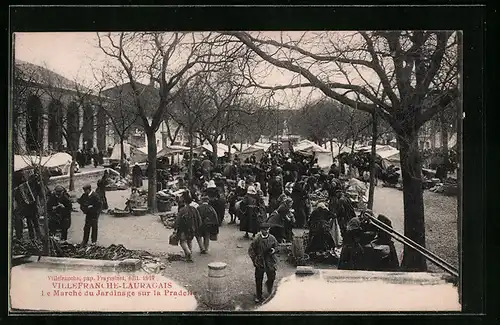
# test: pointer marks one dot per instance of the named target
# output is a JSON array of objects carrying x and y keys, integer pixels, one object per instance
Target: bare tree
[
  {"x": 406, "y": 63},
  {"x": 118, "y": 106},
  {"x": 169, "y": 60}
]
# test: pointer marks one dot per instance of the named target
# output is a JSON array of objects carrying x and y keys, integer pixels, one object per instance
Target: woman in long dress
[{"x": 251, "y": 216}]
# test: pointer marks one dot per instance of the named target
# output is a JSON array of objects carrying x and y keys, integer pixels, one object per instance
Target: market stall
[
  {"x": 307, "y": 147},
  {"x": 258, "y": 149},
  {"x": 136, "y": 155}
]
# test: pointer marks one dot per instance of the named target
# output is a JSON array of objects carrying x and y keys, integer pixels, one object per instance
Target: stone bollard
[{"x": 217, "y": 286}]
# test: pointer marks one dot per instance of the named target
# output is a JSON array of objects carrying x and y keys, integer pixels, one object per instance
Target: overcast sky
[{"x": 72, "y": 55}]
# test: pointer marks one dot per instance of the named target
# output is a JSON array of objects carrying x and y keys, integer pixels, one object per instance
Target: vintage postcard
[{"x": 235, "y": 171}]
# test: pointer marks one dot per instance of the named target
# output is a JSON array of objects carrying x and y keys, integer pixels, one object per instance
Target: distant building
[{"x": 53, "y": 113}]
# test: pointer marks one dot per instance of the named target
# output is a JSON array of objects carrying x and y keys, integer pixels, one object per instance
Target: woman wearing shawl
[
  {"x": 320, "y": 238},
  {"x": 251, "y": 216},
  {"x": 385, "y": 257},
  {"x": 352, "y": 255},
  {"x": 281, "y": 220},
  {"x": 216, "y": 200},
  {"x": 209, "y": 222},
  {"x": 187, "y": 225},
  {"x": 234, "y": 197}
]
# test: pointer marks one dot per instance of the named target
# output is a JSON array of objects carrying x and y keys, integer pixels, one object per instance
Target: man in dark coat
[
  {"x": 59, "y": 209},
  {"x": 136, "y": 176},
  {"x": 299, "y": 197},
  {"x": 26, "y": 206},
  {"x": 261, "y": 177},
  {"x": 91, "y": 205},
  {"x": 187, "y": 225},
  {"x": 262, "y": 253},
  {"x": 101, "y": 189}
]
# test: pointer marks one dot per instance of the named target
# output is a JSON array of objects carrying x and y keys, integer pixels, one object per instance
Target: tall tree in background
[
  {"x": 169, "y": 60},
  {"x": 118, "y": 106},
  {"x": 406, "y": 63}
]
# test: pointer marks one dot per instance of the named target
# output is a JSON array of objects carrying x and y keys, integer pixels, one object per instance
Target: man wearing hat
[
  {"x": 59, "y": 210},
  {"x": 91, "y": 205},
  {"x": 262, "y": 253}
]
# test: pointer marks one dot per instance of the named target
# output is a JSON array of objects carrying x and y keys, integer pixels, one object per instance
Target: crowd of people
[
  {"x": 294, "y": 184},
  {"x": 269, "y": 197}
]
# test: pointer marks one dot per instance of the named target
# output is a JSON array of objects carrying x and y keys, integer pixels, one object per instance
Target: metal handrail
[{"x": 441, "y": 263}]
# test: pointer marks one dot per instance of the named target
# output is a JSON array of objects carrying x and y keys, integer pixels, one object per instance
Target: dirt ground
[{"x": 148, "y": 233}]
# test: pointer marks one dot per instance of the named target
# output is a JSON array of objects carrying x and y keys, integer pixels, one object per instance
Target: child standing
[{"x": 262, "y": 252}]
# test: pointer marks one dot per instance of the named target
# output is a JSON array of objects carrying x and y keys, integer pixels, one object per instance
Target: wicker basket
[
  {"x": 139, "y": 211},
  {"x": 164, "y": 206},
  {"x": 120, "y": 213}
]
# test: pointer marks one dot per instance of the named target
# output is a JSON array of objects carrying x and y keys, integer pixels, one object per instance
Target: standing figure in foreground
[
  {"x": 59, "y": 210},
  {"x": 209, "y": 223},
  {"x": 250, "y": 208},
  {"x": 262, "y": 252},
  {"x": 187, "y": 225},
  {"x": 91, "y": 205}
]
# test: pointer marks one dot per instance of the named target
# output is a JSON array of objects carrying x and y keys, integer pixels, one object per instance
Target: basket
[
  {"x": 139, "y": 211},
  {"x": 164, "y": 206},
  {"x": 120, "y": 213}
]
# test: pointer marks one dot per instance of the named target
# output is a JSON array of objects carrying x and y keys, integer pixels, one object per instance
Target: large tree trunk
[
  {"x": 190, "y": 165},
  {"x": 331, "y": 149},
  {"x": 72, "y": 171},
  {"x": 444, "y": 140},
  {"x": 122, "y": 157},
  {"x": 214, "y": 151},
  {"x": 371, "y": 190},
  {"x": 43, "y": 198},
  {"x": 151, "y": 136},
  {"x": 414, "y": 220}
]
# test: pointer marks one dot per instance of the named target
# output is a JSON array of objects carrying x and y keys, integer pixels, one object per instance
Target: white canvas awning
[
  {"x": 258, "y": 149},
  {"x": 389, "y": 154},
  {"x": 172, "y": 150},
  {"x": 60, "y": 159},
  {"x": 221, "y": 149},
  {"x": 307, "y": 146},
  {"x": 136, "y": 155}
]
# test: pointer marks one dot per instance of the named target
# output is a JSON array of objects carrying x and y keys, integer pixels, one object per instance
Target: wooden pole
[{"x": 371, "y": 191}]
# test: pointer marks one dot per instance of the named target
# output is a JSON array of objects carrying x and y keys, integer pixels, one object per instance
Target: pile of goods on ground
[
  {"x": 318, "y": 196},
  {"x": 449, "y": 187},
  {"x": 116, "y": 182},
  {"x": 165, "y": 200},
  {"x": 112, "y": 253}
]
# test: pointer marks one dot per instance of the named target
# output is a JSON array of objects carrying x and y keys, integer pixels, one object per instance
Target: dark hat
[
  {"x": 87, "y": 187},
  {"x": 385, "y": 220},
  {"x": 264, "y": 225},
  {"x": 59, "y": 188}
]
